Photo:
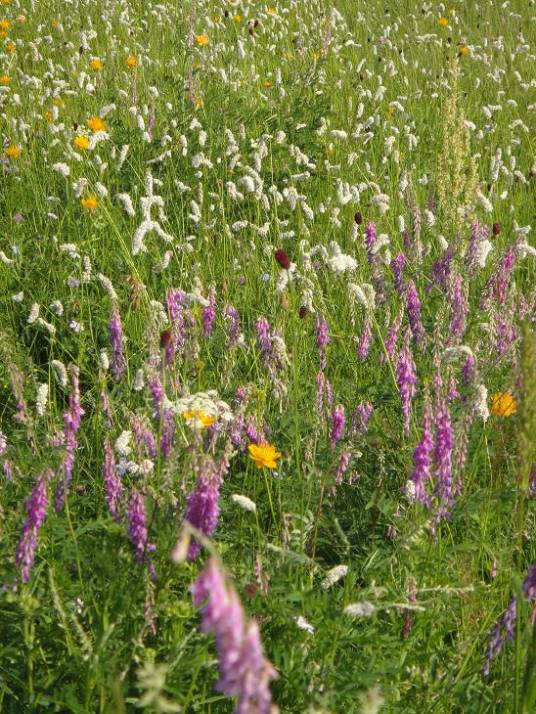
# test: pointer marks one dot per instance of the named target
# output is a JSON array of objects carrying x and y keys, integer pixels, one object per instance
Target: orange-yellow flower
[
  {"x": 11, "y": 47},
  {"x": 4, "y": 24},
  {"x": 464, "y": 51},
  {"x": 443, "y": 22},
  {"x": 503, "y": 404},
  {"x": 199, "y": 418},
  {"x": 13, "y": 151},
  {"x": 264, "y": 455},
  {"x": 131, "y": 61},
  {"x": 90, "y": 203},
  {"x": 201, "y": 40},
  {"x": 96, "y": 124},
  {"x": 198, "y": 102},
  {"x": 81, "y": 142},
  {"x": 4, "y": 79},
  {"x": 272, "y": 11},
  {"x": 96, "y": 64},
  {"x": 237, "y": 18}
]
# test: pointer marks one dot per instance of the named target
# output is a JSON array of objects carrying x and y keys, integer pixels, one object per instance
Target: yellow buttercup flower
[
  {"x": 91, "y": 203},
  {"x": 503, "y": 404},
  {"x": 4, "y": 79},
  {"x": 264, "y": 455},
  {"x": 96, "y": 124},
  {"x": 237, "y": 18},
  {"x": 81, "y": 142},
  {"x": 199, "y": 418},
  {"x": 131, "y": 61},
  {"x": 13, "y": 151},
  {"x": 96, "y": 64},
  {"x": 443, "y": 22},
  {"x": 201, "y": 40}
]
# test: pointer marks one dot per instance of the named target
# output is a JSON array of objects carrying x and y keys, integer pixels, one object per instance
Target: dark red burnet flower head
[
  {"x": 303, "y": 312},
  {"x": 496, "y": 229},
  {"x": 165, "y": 338},
  {"x": 358, "y": 218},
  {"x": 282, "y": 258}
]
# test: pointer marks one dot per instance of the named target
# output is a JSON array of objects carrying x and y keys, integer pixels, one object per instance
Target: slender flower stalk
[{"x": 245, "y": 673}]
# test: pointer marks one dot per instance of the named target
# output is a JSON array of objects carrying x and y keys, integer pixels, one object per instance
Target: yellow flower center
[
  {"x": 13, "y": 152},
  {"x": 199, "y": 418},
  {"x": 264, "y": 455},
  {"x": 96, "y": 124},
  {"x": 81, "y": 142},
  {"x": 503, "y": 404},
  {"x": 90, "y": 203}
]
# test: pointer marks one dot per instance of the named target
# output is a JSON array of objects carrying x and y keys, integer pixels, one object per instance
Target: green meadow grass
[{"x": 91, "y": 631}]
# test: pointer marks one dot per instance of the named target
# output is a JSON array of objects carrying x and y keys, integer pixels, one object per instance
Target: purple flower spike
[
  {"x": 232, "y": 326},
  {"x": 322, "y": 340},
  {"x": 338, "y": 421},
  {"x": 137, "y": 528},
  {"x": 71, "y": 419},
  {"x": 209, "y": 314},
  {"x": 501, "y": 633},
  {"x": 116, "y": 339},
  {"x": 397, "y": 266},
  {"x": 244, "y": 672},
  {"x": 113, "y": 486},
  {"x": 36, "y": 509},
  {"x": 363, "y": 347},
  {"x": 406, "y": 379},
  {"x": 414, "y": 314},
  {"x": 444, "y": 443},
  {"x": 422, "y": 458}
]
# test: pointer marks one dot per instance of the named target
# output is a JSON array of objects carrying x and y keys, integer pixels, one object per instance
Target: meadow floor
[{"x": 267, "y": 356}]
